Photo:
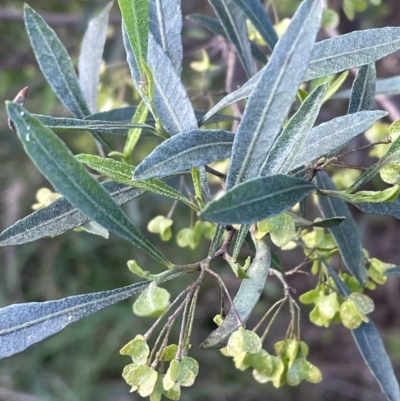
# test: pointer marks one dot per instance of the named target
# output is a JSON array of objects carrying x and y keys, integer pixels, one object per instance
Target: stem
[
  {"x": 150, "y": 331},
  {"x": 222, "y": 284},
  {"x": 262, "y": 320}
]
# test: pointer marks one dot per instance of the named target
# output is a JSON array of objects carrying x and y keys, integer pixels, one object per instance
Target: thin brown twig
[{"x": 222, "y": 284}]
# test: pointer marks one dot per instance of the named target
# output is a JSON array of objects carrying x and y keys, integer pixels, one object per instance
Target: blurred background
[{"x": 82, "y": 362}]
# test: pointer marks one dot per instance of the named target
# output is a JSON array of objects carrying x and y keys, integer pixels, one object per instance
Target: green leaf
[
  {"x": 256, "y": 13},
  {"x": 388, "y": 209},
  {"x": 324, "y": 223},
  {"x": 346, "y": 234},
  {"x": 363, "y": 89},
  {"x": 70, "y": 178},
  {"x": 392, "y": 156},
  {"x": 394, "y": 271},
  {"x": 72, "y": 124},
  {"x": 216, "y": 240},
  {"x": 385, "y": 195},
  {"x": 166, "y": 26},
  {"x": 55, "y": 63},
  {"x": 135, "y": 15},
  {"x": 91, "y": 56},
  {"x": 371, "y": 348},
  {"x": 233, "y": 21},
  {"x": 183, "y": 151},
  {"x": 328, "y": 58},
  {"x": 375, "y": 356},
  {"x": 332, "y": 135},
  {"x": 170, "y": 98},
  {"x": 152, "y": 302},
  {"x": 246, "y": 299},
  {"x": 131, "y": 58},
  {"x": 257, "y": 199},
  {"x": 289, "y": 143},
  {"x": 352, "y": 50},
  {"x": 215, "y": 26},
  {"x": 134, "y": 134},
  {"x": 122, "y": 172},
  {"x": 388, "y": 86},
  {"x": 59, "y": 216},
  {"x": 22, "y": 325},
  {"x": 240, "y": 239},
  {"x": 335, "y": 85},
  {"x": 271, "y": 100}
]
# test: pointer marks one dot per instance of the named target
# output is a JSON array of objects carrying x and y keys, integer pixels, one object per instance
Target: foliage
[{"x": 277, "y": 160}]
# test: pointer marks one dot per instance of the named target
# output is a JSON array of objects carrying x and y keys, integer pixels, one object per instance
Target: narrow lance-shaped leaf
[
  {"x": 170, "y": 98},
  {"x": 91, "y": 56},
  {"x": 375, "y": 356},
  {"x": 57, "y": 66},
  {"x": 215, "y": 26},
  {"x": 22, "y": 325},
  {"x": 70, "y": 178},
  {"x": 134, "y": 134},
  {"x": 372, "y": 45},
  {"x": 346, "y": 234},
  {"x": 246, "y": 299},
  {"x": 126, "y": 113},
  {"x": 393, "y": 272},
  {"x": 233, "y": 21},
  {"x": 55, "y": 63},
  {"x": 351, "y": 50},
  {"x": 256, "y": 13},
  {"x": 122, "y": 172},
  {"x": 330, "y": 136},
  {"x": 135, "y": 15},
  {"x": 76, "y": 124},
  {"x": 392, "y": 156},
  {"x": 291, "y": 140},
  {"x": 166, "y": 26},
  {"x": 385, "y": 208},
  {"x": 193, "y": 148},
  {"x": 257, "y": 199},
  {"x": 372, "y": 349},
  {"x": 363, "y": 89},
  {"x": 385, "y": 86},
  {"x": 59, "y": 216},
  {"x": 131, "y": 58},
  {"x": 270, "y": 101}
]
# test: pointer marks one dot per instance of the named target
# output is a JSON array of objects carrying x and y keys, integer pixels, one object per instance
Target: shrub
[{"x": 277, "y": 161}]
